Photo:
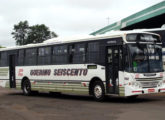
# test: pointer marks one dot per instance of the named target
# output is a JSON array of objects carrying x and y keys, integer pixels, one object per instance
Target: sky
[{"x": 65, "y": 17}]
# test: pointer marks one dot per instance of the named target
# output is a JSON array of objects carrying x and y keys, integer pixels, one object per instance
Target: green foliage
[
  {"x": 25, "y": 34},
  {"x": 21, "y": 32},
  {"x": 1, "y": 46}
]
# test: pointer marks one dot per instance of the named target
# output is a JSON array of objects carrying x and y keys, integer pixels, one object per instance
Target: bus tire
[
  {"x": 26, "y": 87},
  {"x": 98, "y": 91}
]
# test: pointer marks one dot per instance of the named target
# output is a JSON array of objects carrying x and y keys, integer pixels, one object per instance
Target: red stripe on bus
[
  {"x": 162, "y": 89},
  {"x": 136, "y": 91}
]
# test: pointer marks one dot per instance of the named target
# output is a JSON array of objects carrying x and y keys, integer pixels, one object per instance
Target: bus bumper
[{"x": 130, "y": 91}]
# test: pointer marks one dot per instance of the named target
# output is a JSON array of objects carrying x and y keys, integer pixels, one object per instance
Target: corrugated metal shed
[{"x": 152, "y": 17}]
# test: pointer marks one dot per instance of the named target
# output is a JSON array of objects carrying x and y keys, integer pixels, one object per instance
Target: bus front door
[
  {"x": 12, "y": 80},
  {"x": 112, "y": 69}
]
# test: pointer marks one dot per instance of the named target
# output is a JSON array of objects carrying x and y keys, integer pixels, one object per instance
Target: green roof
[{"x": 143, "y": 15}]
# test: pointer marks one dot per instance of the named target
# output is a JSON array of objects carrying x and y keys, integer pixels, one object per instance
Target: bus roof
[
  {"x": 77, "y": 38},
  {"x": 150, "y": 30}
]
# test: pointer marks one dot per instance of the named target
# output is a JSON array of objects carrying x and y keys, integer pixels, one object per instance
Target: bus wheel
[
  {"x": 98, "y": 91},
  {"x": 26, "y": 87}
]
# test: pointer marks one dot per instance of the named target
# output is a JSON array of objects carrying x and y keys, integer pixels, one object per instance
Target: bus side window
[
  {"x": 60, "y": 54},
  {"x": 44, "y": 56},
  {"x": 79, "y": 53},
  {"x": 21, "y": 57},
  {"x": 71, "y": 52},
  {"x": 93, "y": 54},
  {"x": 31, "y": 56},
  {"x": 4, "y": 60}
]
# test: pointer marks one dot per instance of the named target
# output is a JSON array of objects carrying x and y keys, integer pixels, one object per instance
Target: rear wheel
[
  {"x": 98, "y": 91},
  {"x": 26, "y": 87}
]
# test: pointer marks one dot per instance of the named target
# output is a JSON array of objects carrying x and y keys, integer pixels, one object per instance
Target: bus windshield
[{"x": 146, "y": 58}]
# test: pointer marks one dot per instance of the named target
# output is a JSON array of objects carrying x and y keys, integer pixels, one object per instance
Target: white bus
[{"x": 117, "y": 63}]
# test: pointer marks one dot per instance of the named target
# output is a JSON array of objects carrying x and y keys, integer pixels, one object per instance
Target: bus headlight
[{"x": 136, "y": 84}]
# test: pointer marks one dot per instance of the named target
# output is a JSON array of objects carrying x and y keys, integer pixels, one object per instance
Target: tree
[
  {"x": 21, "y": 32},
  {"x": 1, "y": 46},
  {"x": 25, "y": 34},
  {"x": 39, "y": 33}
]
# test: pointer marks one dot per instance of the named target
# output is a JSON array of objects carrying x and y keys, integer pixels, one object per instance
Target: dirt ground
[{"x": 15, "y": 106}]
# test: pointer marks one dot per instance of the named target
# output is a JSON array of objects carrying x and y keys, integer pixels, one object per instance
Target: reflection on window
[
  {"x": 60, "y": 54},
  {"x": 45, "y": 51},
  {"x": 93, "y": 50},
  {"x": 3, "y": 60},
  {"x": 30, "y": 56},
  {"x": 44, "y": 55},
  {"x": 79, "y": 53},
  {"x": 60, "y": 50},
  {"x": 20, "y": 57},
  {"x": 146, "y": 57}
]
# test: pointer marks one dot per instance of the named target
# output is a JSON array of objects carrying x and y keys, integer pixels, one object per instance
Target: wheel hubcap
[{"x": 98, "y": 91}]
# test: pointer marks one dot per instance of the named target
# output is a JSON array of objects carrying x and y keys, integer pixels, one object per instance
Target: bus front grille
[{"x": 149, "y": 82}]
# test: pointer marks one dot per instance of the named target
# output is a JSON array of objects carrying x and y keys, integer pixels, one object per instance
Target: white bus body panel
[
  {"x": 4, "y": 76},
  {"x": 75, "y": 79}
]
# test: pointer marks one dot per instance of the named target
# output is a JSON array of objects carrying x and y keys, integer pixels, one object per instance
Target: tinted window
[
  {"x": 79, "y": 53},
  {"x": 93, "y": 52},
  {"x": 20, "y": 57},
  {"x": 3, "y": 60},
  {"x": 60, "y": 55},
  {"x": 59, "y": 50},
  {"x": 93, "y": 47},
  {"x": 44, "y": 55},
  {"x": 30, "y": 56}
]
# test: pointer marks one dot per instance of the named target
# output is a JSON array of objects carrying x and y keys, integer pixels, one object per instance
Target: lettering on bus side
[
  {"x": 70, "y": 72},
  {"x": 39, "y": 72}
]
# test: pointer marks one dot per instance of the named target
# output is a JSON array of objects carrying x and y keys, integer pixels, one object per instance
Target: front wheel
[
  {"x": 98, "y": 91},
  {"x": 26, "y": 87}
]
